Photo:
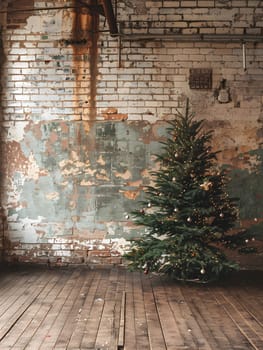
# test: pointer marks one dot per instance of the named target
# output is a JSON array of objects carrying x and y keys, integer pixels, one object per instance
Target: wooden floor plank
[
  {"x": 247, "y": 326},
  {"x": 15, "y": 292},
  {"x": 251, "y": 300},
  {"x": 129, "y": 336},
  {"x": 42, "y": 332},
  {"x": 43, "y": 306},
  {"x": 66, "y": 316},
  {"x": 20, "y": 305},
  {"x": 10, "y": 284},
  {"x": 24, "y": 322},
  {"x": 209, "y": 315},
  {"x": 94, "y": 318},
  {"x": 121, "y": 333},
  {"x": 87, "y": 295},
  {"x": 173, "y": 337},
  {"x": 120, "y": 309},
  {"x": 246, "y": 315},
  {"x": 141, "y": 330},
  {"x": 106, "y": 336},
  {"x": 82, "y": 309},
  {"x": 189, "y": 328},
  {"x": 156, "y": 336}
]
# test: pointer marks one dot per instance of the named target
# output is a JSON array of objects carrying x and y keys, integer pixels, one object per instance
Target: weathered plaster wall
[{"x": 83, "y": 113}]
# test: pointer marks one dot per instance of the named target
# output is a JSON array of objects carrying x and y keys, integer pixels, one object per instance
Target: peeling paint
[
  {"x": 125, "y": 176},
  {"x": 101, "y": 161},
  {"x": 52, "y": 196},
  {"x": 68, "y": 193},
  {"x": 14, "y": 159},
  {"x": 16, "y": 131},
  {"x": 131, "y": 194}
]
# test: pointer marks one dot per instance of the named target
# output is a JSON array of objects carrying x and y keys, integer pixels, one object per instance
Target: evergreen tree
[{"x": 187, "y": 213}]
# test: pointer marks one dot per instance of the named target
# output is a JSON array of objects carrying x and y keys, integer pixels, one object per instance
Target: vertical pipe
[
  {"x": 108, "y": 10},
  {"x": 244, "y": 56},
  {"x": 116, "y": 10},
  {"x": 119, "y": 48}
]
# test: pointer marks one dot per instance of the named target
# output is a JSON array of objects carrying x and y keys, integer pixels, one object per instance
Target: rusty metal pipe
[
  {"x": 194, "y": 37},
  {"x": 109, "y": 14}
]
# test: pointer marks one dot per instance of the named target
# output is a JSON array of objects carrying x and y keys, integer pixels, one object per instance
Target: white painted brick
[
  {"x": 243, "y": 24},
  {"x": 188, "y": 3},
  {"x": 33, "y": 38},
  {"x": 161, "y": 98},
  {"x": 223, "y": 31},
  {"x": 135, "y": 117},
  {"x": 171, "y": 4},
  {"x": 18, "y": 51},
  {"x": 29, "y": 44},
  {"x": 188, "y": 31},
  {"x": 185, "y": 44},
  {"x": 110, "y": 84},
  {"x": 143, "y": 64},
  {"x": 145, "y": 77},
  {"x": 240, "y": 3},
  {"x": 179, "y": 78},
  {"x": 207, "y": 30},
  {"x": 18, "y": 37},
  {"x": 13, "y": 58},
  {"x": 16, "y": 77},
  {"x": 22, "y": 97},
  {"x": 171, "y": 20},
  {"x": 206, "y": 3},
  {"x": 27, "y": 58},
  {"x": 45, "y": 44},
  {"x": 191, "y": 51},
  {"x": 15, "y": 91},
  {"x": 136, "y": 104},
  {"x": 140, "y": 96}
]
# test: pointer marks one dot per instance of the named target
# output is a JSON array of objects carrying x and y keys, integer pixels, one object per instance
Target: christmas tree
[{"x": 187, "y": 214}]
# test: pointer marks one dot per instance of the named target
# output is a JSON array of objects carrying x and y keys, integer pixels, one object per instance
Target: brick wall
[
  {"x": 82, "y": 114},
  {"x": 2, "y": 217}
]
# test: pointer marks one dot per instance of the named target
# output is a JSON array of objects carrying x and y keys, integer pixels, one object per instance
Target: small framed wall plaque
[{"x": 200, "y": 78}]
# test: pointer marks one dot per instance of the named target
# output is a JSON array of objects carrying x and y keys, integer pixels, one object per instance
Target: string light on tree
[{"x": 206, "y": 185}]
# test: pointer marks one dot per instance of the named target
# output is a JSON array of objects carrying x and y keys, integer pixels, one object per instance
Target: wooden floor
[{"x": 81, "y": 308}]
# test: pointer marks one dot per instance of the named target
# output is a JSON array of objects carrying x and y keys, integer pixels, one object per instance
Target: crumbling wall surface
[{"x": 83, "y": 112}]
